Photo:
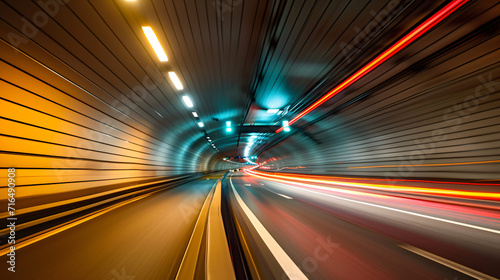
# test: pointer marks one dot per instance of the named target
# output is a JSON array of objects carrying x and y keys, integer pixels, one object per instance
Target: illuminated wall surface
[
  {"x": 87, "y": 104},
  {"x": 76, "y": 114}
]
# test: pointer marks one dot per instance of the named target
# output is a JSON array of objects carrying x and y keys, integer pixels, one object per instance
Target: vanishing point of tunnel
[{"x": 249, "y": 139}]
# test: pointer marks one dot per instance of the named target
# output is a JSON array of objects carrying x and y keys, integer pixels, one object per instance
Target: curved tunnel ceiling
[
  {"x": 82, "y": 87},
  {"x": 368, "y": 131}
]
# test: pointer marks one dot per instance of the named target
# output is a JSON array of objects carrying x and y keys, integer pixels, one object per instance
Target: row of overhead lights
[
  {"x": 189, "y": 104},
  {"x": 246, "y": 153},
  {"x": 162, "y": 56},
  {"x": 212, "y": 144}
]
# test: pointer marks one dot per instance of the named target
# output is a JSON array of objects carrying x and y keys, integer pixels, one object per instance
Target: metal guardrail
[{"x": 35, "y": 217}]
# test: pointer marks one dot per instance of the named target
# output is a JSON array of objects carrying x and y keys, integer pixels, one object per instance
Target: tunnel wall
[
  {"x": 64, "y": 132},
  {"x": 434, "y": 115}
]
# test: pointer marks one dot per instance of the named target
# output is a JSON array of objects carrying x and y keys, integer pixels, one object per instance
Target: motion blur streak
[
  {"x": 283, "y": 259},
  {"x": 398, "y": 46},
  {"x": 434, "y": 231},
  {"x": 443, "y": 192},
  {"x": 430, "y": 206},
  {"x": 58, "y": 229},
  {"x": 147, "y": 237},
  {"x": 109, "y": 153},
  {"x": 432, "y": 164},
  {"x": 448, "y": 263},
  {"x": 408, "y": 212}
]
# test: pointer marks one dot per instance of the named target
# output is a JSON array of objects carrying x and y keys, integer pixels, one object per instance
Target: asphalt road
[
  {"x": 342, "y": 235},
  {"x": 145, "y": 239},
  {"x": 293, "y": 232}
]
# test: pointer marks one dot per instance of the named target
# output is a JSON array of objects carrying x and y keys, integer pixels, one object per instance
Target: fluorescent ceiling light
[
  {"x": 286, "y": 127},
  {"x": 195, "y": 114},
  {"x": 228, "y": 129},
  {"x": 187, "y": 101},
  {"x": 175, "y": 80},
  {"x": 272, "y": 111},
  {"x": 228, "y": 123},
  {"x": 153, "y": 40},
  {"x": 200, "y": 124}
]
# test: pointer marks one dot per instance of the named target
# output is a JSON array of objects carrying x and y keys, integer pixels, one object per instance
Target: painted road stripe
[
  {"x": 394, "y": 209},
  {"x": 453, "y": 265},
  {"x": 288, "y": 266},
  {"x": 282, "y": 195}
]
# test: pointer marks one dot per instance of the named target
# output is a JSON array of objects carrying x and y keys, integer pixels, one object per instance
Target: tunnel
[{"x": 250, "y": 139}]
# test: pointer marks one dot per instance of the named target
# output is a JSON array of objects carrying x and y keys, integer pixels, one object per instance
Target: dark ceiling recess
[{"x": 257, "y": 128}]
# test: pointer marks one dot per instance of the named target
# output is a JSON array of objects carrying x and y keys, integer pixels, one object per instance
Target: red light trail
[
  {"x": 358, "y": 184},
  {"x": 391, "y": 51}
]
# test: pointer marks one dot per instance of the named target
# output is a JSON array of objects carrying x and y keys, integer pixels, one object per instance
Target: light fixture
[
  {"x": 187, "y": 101},
  {"x": 155, "y": 43},
  {"x": 175, "y": 80},
  {"x": 200, "y": 124},
  {"x": 228, "y": 123},
  {"x": 228, "y": 129},
  {"x": 272, "y": 111},
  {"x": 286, "y": 127},
  {"x": 195, "y": 114}
]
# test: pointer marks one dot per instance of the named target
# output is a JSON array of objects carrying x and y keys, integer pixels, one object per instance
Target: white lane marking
[
  {"x": 453, "y": 265},
  {"x": 290, "y": 268},
  {"x": 402, "y": 211},
  {"x": 282, "y": 195},
  {"x": 247, "y": 185}
]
